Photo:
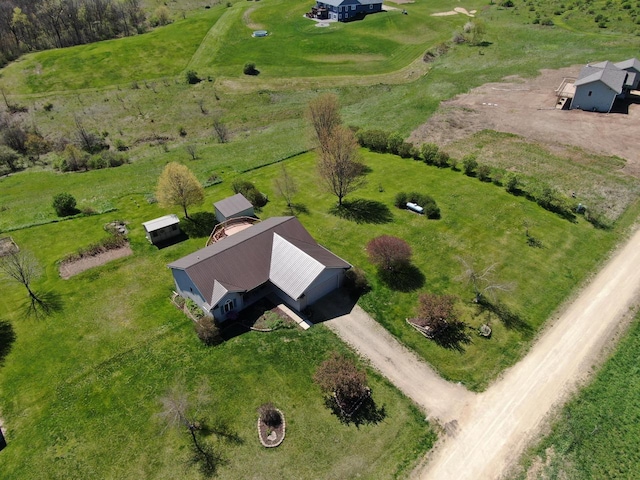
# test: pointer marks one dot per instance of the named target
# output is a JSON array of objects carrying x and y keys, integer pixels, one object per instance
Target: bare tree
[
  {"x": 23, "y": 268},
  {"x": 220, "y": 130},
  {"x": 339, "y": 166},
  {"x": 482, "y": 281},
  {"x": 192, "y": 150},
  {"x": 176, "y": 412},
  {"x": 286, "y": 186},
  {"x": 324, "y": 115}
]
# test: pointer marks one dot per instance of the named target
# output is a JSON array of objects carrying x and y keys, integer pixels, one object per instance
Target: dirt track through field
[{"x": 486, "y": 433}]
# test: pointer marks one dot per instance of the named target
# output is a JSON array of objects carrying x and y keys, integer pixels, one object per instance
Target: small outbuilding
[
  {"x": 233, "y": 207},
  {"x": 162, "y": 229}
]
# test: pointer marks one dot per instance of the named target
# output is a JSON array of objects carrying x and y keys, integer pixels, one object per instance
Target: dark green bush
[
  {"x": 250, "y": 69},
  {"x": 401, "y": 200},
  {"x": 192, "y": 77},
  {"x": 484, "y": 173},
  {"x": 374, "y": 140},
  {"x": 405, "y": 150},
  {"x": 442, "y": 159},
  {"x": 394, "y": 142},
  {"x": 469, "y": 164},
  {"x": 207, "y": 331},
  {"x": 355, "y": 280},
  {"x": 429, "y": 153},
  {"x": 64, "y": 204}
]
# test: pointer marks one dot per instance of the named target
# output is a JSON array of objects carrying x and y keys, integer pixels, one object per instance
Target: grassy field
[
  {"x": 80, "y": 391},
  {"x": 597, "y": 434}
]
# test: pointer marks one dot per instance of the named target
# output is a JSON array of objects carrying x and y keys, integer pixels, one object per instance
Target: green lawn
[
  {"x": 481, "y": 223},
  {"x": 80, "y": 390},
  {"x": 597, "y": 434}
]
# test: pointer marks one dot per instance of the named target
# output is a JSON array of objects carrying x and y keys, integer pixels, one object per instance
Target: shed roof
[
  {"x": 631, "y": 64},
  {"x": 257, "y": 254},
  {"x": 162, "y": 222},
  {"x": 605, "y": 72},
  {"x": 233, "y": 205}
]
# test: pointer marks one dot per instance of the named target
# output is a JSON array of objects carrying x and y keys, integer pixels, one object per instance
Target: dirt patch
[
  {"x": 526, "y": 107},
  {"x": 246, "y": 18},
  {"x": 69, "y": 269},
  {"x": 7, "y": 246}
]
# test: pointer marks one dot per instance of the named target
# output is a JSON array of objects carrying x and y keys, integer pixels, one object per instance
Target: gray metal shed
[{"x": 162, "y": 229}]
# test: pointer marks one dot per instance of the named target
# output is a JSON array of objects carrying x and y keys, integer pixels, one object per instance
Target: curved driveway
[{"x": 487, "y": 432}]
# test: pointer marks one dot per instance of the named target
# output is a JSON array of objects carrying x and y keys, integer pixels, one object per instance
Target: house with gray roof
[
  {"x": 599, "y": 84},
  {"x": 276, "y": 256},
  {"x": 233, "y": 207},
  {"x": 346, "y": 10}
]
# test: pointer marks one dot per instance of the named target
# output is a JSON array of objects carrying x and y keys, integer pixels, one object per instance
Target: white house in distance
[
  {"x": 162, "y": 229},
  {"x": 599, "y": 84},
  {"x": 233, "y": 207},
  {"x": 276, "y": 256}
]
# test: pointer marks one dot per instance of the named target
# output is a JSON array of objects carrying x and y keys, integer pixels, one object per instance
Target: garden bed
[
  {"x": 69, "y": 268},
  {"x": 270, "y": 436}
]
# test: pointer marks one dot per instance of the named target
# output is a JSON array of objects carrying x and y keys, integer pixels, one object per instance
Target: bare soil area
[
  {"x": 70, "y": 269},
  {"x": 526, "y": 107}
]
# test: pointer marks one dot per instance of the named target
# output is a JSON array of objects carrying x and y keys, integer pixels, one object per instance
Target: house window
[
  {"x": 371, "y": 6},
  {"x": 590, "y": 92},
  {"x": 229, "y": 305},
  {"x": 339, "y": 16},
  {"x": 353, "y": 7}
]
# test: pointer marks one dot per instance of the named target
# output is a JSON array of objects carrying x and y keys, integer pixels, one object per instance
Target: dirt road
[{"x": 487, "y": 432}]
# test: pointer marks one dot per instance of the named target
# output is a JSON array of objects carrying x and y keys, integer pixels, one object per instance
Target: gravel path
[{"x": 486, "y": 433}]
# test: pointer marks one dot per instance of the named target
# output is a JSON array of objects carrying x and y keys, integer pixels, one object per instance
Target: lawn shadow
[
  {"x": 206, "y": 459},
  {"x": 454, "y": 336},
  {"x": 198, "y": 225},
  {"x": 406, "y": 278},
  {"x": 231, "y": 329},
  {"x": 367, "y": 414},
  {"x": 7, "y": 337},
  {"x": 363, "y": 211},
  {"x": 509, "y": 319},
  {"x": 223, "y": 430},
  {"x": 47, "y": 303}
]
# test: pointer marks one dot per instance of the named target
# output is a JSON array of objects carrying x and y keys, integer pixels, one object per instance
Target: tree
[
  {"x": 429, "y": 153},
  {"x": 389, "y": 253},
  {"x": 64, "y": 204},
  {"x": 338, "y": 166},
  {"x": 23, "y": 268},
  {"x": 482, "y": 281},
  {"x": 324, "y": 115},
  {"x": 192, "y": 77},
  {"x": 340, "y": 376},
  {"x": 250, "y": 69},
  {"x": 88, "y": 141},
  {"x": 176, "y": 412},
  {"x": 9, "y": 158},
  {"x": 179, "y": 187},
  {"x": 286, "y": 186},
  {"x": 469, "y": 164},
  {"x": 220, "y": 130},
  {"x": 192, "y": 150},
  {"x": 474, "y": 32},
  {"x": 435, "y": 312}
]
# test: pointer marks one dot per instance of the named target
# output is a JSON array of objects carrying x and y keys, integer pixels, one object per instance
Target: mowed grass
[
  {"x": 597, "y": 434},
  {"x": 481, "y": 223},
  {"x": 80, "y": 390},
  {"x": 163, "y": 52}
]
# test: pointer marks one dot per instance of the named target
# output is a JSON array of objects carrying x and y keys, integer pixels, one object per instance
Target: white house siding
[
  {"x": 186, "y": 288},
  {"x": 327, "y": 282},
  {"x": 600, "y": 100}
]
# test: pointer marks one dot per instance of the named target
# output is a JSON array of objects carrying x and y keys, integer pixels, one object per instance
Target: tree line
[{"x": 29, "y": 25}]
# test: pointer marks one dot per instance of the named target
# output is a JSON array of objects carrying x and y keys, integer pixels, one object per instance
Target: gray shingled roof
[
  {"x": 337, "y": 3},
  {"x": 242, "y": 261},
  {"x": 632, "y": 63},
  {"x": 605, "y": 72},
  {"x": 232, "y": 205}
]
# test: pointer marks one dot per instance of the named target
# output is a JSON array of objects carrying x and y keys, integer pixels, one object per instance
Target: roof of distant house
[
  {"x": 632, "y": 63},
  {"x": 612, "y": 75},
  {"x": 336, "y": 3},
  {"x": 232, "y": 205},
  {"x": 162, "y": 222},
  {"x": 277, "y": 249}
]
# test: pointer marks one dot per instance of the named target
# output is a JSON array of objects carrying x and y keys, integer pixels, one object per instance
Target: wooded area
[{"x": 28, "y": 25}]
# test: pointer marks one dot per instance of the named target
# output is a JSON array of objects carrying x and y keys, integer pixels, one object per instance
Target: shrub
[
  {"x": 429, "y": 153},
  {"x": 388, "y": 252},
  {"x": 429, "y": 205},
  {"x": 374, "y": 140},
  {"x": 355, "y": 280},
  {"x": 250, "y": 69},
  {"x": 207, "y": 331},
  {"x": 192, "y": 77},
  {"x": 512, "y": 183},
  {"x": 270, "y": 415},
  {"x": 394, "y": 142},
  {"x": 340, "y": 375},
  {"x": 469, "y": 164},
  {"x": 484, "y": 173},
  {"x": 401, "y": 200},
  {"x": 435, "y": 312},
  {"x": 250, "y": 192},
  {"x": 442, "y": 159},
  {"x": 64, "y": 204},
  {"x": 405, "y": 150},
  {"x": 48, "y": 107}
]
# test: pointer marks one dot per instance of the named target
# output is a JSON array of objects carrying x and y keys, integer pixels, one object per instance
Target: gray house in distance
[
  {"x": 276, "y": 256},
  {"x": 162, "y": 229},
  {"x": 599, "y": 84},
  {"x": 345, "y": 10},
  {"x": 233, "y": 207}
]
